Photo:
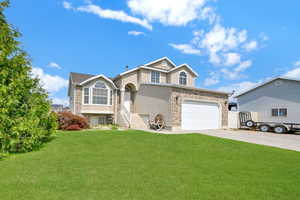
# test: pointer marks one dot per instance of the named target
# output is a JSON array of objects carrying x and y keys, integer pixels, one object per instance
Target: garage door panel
[{"x": 200, "y": 115}]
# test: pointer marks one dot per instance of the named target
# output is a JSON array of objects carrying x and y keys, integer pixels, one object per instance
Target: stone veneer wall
[{"x": 183, "y": 94}]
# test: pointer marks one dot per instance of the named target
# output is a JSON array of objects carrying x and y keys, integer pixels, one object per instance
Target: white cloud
[
  {"x": 297, "y": 64},
  {"x": 67, "y": 5},
  {"x": 236, "y": 73},
  {"x": 243, "y": 66},
  {"x": 186, "y": 49},
  {"x": 170, "y": 12},
  {"x": 239, "y": 87},
  {"x": 109, "y": 14},
  {"x": 49, "y": 82},
  {"x": 232, "y": 59},
  {"x": 250, "y": 46},
  {"x": 212, "y": 80},
  {"x": 220, "y": 42},
  {"x": 54, "y": 65},
  {"x": 294, "y": 73},
  {"x": 63, "y": 101},
  {"x": 209, "y": 13},
  {"x": 135, "y": 33}
]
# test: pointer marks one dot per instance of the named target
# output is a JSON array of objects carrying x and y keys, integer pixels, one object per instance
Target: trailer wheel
[
  {"x": 264, "y": 128},
  {"x": 250, "y": 123},
  {"x": 280, "y": 129}
]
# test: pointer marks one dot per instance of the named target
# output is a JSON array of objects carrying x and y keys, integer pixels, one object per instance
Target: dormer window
[
  {"x": 182, "y": 78},
  {"x": 155, "y": 77}
]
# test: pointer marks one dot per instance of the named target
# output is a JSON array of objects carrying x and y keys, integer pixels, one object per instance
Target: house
[
  {"x": 136, "y": 96},
  {"x": 57, "y": 107},
  {"x": 277, "y": 100}
]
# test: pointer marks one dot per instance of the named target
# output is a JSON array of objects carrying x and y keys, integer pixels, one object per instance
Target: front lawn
[{"x": 136, "y": 165}]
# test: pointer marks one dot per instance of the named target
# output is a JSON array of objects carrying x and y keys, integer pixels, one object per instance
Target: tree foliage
[{"x": 25, "y": 117}]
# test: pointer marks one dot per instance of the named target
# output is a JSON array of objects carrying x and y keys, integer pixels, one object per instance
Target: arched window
[
  {"x": 182, "y": 78},
  {"x": 100, "y": 93},
  {"x": 100, "y": 84}
]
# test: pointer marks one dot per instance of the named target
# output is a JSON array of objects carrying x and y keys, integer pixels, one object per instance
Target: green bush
[
  {"x": 114, "y": 127},
  {"x": 25, "y": 118}
]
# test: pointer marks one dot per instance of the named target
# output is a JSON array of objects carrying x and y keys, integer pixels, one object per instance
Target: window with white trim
[
  {"x": 155, "y": 77},
  {"x": 100, "y": 93},
  {"x": 86, "y": 95},
  {"x": 182, "y": 78}
]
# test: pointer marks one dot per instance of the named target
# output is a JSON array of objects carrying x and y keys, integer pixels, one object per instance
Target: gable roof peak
[
  {"x": 99, "y": 76},
  {"x": 161, "y": 59},
  {"x": 265, "y": 83}
]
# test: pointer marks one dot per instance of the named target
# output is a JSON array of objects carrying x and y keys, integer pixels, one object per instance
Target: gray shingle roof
[{"x": 78, "y": 77}]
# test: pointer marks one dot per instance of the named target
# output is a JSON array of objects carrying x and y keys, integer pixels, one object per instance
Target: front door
[{"x": 127, "y": 101}]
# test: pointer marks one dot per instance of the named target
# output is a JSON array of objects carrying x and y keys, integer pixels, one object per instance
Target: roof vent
[{"x": 278, "y": 83}]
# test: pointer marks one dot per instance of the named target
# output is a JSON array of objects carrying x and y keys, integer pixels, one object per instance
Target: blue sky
[{"x": 231, "y": 44}]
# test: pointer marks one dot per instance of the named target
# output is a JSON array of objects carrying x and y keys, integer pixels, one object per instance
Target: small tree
[{"x": 25, "y": 117}]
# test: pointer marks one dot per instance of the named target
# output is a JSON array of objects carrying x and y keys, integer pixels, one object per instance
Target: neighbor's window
[
  {"x": 100, "y": 93},
  {"x": 279, "y": 112},
  {"x": 182, "y": 78},
  {"x": 155, "y": 77},
  {"x": 86, "y": 95},
  {"x": 283, "y": 112}
]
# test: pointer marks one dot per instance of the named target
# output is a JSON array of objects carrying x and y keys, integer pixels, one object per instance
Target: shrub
[
  {"x": 114, "y": 127},
  {"x": 73, "y": 127},
  {"x": 66, "y": 119},
  {"x": 25, "y": 118}
]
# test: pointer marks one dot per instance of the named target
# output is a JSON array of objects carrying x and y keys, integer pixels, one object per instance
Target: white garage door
[{"x": 199, "y": 115}]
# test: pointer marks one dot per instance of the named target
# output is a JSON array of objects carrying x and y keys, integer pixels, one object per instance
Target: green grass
[{"x": 136, "y": 165}]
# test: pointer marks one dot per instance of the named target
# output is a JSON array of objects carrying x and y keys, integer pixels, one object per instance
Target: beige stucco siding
[
  {"x": 145, "y": 76},
  {"x": 153, "y": 100},
  {"x": 161, "y": 65},
  {"x": 96, "y": 109},
  {"x": 78, "y": 99},
  {"x": 173, "y": 77}
]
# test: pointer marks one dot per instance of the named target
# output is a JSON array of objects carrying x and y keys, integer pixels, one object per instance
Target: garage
[{"x": 196, "y": 115}]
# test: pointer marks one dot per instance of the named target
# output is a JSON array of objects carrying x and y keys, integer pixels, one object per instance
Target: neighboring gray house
[
  {"x": 138, "y": 95},
  {"x": 277, "y": 100}
]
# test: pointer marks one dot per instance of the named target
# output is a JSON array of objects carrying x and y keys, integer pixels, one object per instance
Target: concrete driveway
[{"x": 284, "y": 141}]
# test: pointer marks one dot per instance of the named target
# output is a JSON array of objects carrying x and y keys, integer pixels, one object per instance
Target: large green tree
[{"x": 25, "y": 117}]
